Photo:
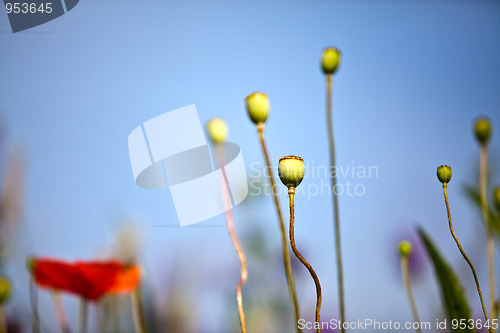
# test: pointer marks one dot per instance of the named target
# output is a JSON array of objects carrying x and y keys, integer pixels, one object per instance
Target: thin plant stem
[
  {"x": 62, "y": 319},
  {"x": 405, "y": 272},
  {"x": 3, "y": 320},
  {"x": 483, "y": 171},
  {"x": 138, "y": 311},
  {"x": 340, "y": 273},
  {"x": 34, "y": 306},
  {"x": 465, "y": 255},
  {"x": 234, "y": 237},
  {"x": 286, "y": 252},
  {"x": 497, "y": 302},
  {"x": 83, "y": 316},
  {"x": 291, "y": 194}
]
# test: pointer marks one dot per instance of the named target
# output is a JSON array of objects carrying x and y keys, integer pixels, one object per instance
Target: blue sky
[{"x": 413, "y": 77}]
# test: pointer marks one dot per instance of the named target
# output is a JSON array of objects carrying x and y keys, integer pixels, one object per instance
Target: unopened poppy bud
[
  {"x": 444, "y": 173},
  {"x": 496, "y": 197},
  {"x": 482, "y": 129},
  {"x": 404, "y": 249},
  {"x": 217, "y": 129},
  {"x": 5, "y": 289},
  {"x": 258, "y": 107},
  {"x": 291, "y": 170},
  {"x": 330, "y": 60}
]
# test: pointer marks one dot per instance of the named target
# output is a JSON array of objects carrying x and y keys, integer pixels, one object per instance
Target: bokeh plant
[
  {"x": 330, "y": 61},
  {"x": 218, "y": 131},
  {"x": 258, "y": 107},
  {"x": 404, "y": 250},
  {"x": 90, "y": 280},
  {"x": 482, "y": 130},
  {"x": 100, "y": 282}
]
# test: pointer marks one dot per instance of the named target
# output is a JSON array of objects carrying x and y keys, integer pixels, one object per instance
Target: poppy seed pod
[
  {"x": 257, "y": 105},
  {"x": 404, "y": 249},
  {"x": 330, "y": 60},
  {"x": 444, "y": 173},
  {"x": 217, "y": 129},
  {"x": 482, "y": 130},
  {"x": 5, "y": 289},
  {"x": 291, "y": 170}
]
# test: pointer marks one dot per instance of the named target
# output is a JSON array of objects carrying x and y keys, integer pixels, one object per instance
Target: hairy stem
[
  {"x": 405, "y": 272},
  {"x": 464, "y": 255},
  {"x": 291, "y": 194},
  {"x": 286, "y": 252},
  {"x": 340, "y": 273},
  {"x": 234, "y": 237}
]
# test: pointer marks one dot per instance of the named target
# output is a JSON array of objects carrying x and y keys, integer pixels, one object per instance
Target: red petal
[{"x": 128, "y": 280}]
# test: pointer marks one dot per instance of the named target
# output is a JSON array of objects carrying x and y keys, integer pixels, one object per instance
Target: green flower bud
[
  {"x": 217, "y": 129},
  {"x": 496, "y": 197},
  {"x": 444, "y": 173},
  {"x": 330, "y": 60},
  {"x": 404, "y": 249},
  {"x": 482, "y": 129},
  {"x": 291, "y": 170},
  {"x": 5, "y": 289},
  {"x": 257, "y": 105}
]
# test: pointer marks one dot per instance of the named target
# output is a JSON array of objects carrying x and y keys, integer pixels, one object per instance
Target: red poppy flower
[{"x": 90, "y": 280}]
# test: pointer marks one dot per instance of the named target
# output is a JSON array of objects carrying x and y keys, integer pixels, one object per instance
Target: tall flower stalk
[
  {"x": 404, "y": 251},
  {"x": 291, "y": 170},
  {"x": 91, "y": 280},
  {"x": 217, "y": 130},
  {"x": 482, "y": 130},
  {"x": 138, "y": 311},
  {"x": 257, "y": 105},
  {"x": 329, "y": 64},
  {"x": 444, "y": 175},
  {"x": 35, "y": 325},
  {"x": 61, "y": 317},
  {"x": 496, "y": 201},
  {"x": 83, "y": 316}
]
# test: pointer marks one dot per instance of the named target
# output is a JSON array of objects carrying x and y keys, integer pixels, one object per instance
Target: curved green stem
[
  {"x": 465, "y": 255},
  {"x": 291, "y": 194},
  {"x": 340, "y": 273},
  {"x": 286, "y": 253}
]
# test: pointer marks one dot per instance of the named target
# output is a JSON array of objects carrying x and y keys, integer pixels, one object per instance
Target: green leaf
[
  {"x": 472, "y": 193},
  {"x": 452, "y": 292}
]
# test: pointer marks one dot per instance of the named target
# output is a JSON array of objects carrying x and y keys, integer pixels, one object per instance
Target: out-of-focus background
[{"x": 414, "y": 75}]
